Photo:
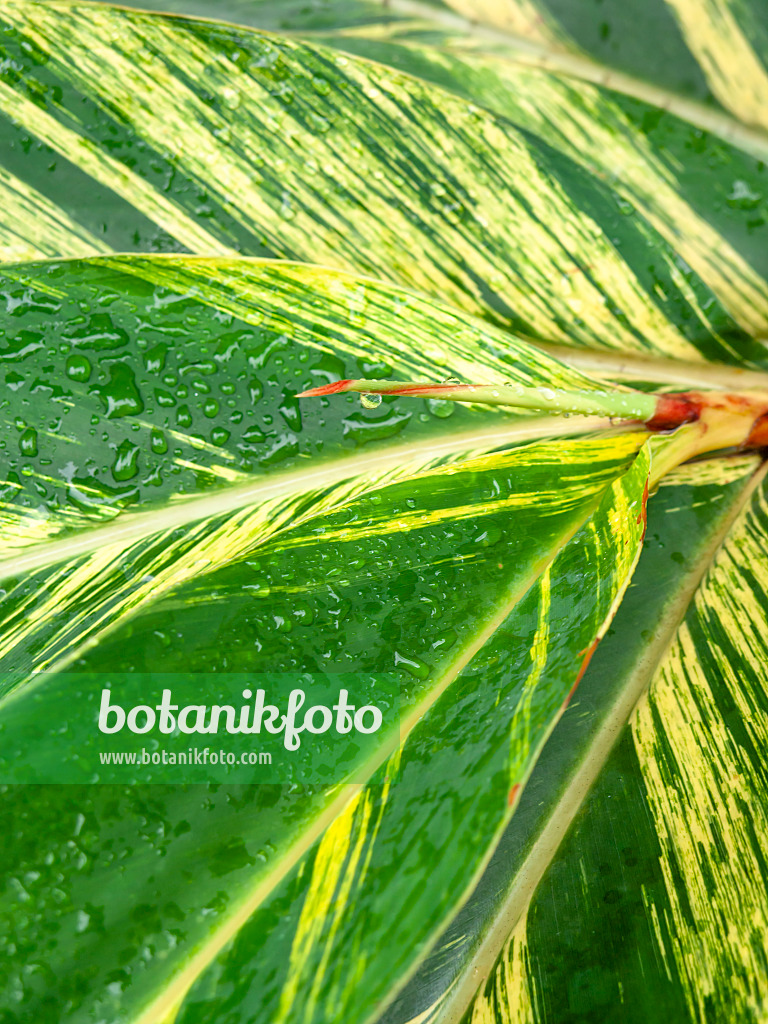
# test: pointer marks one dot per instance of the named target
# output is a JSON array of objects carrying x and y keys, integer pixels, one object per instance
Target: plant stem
[
  {"x": 716, "y": 419},
  {"x": 633, "y": 405}
]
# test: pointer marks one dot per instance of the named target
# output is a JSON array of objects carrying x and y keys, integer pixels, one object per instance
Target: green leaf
[
  {"x": 159, "y": 133},
  {"x": 712, "y": 222},
  {"x": 683, "y": 798},
  {"x": 325, "y": 558},
  {"x": 710, "y": 49},
  {"x": 169, "y": 504}
]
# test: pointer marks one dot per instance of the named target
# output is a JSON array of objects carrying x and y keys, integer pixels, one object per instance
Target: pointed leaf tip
[{"x": 326, "y": 389}]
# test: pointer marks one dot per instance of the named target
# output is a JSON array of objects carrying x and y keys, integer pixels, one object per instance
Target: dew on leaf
[
  {"x": 78, "y": 368},
  {"x": 441, "y": 408},
  {"x": 164, "y": 398},
  {"x": 126, "y": 464},
  {"x": 413, "y": 666},
  {"x": 120, "y": 396},
  {"x": 28, "y": 443},
  {"x": 219, "y": 436},
  {"x": 370, "y": 401},
  {"x": 154, "y": 358},
  {"x": 184, "y": 416},
  {"x": 158, "y": 442}
]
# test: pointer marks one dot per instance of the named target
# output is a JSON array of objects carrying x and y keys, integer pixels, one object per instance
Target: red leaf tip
[{"x": 326, "y": 389}]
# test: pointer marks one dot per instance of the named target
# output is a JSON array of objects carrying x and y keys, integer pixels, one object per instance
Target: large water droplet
[
  {"x": 126, "y": 464},
  {"x": 441, "y": 408},
  {"x": 158, "y": 442},
  {"x": 370, "y": 401},
  {"x": 28, "y": 443},
  {"x": 121, "y": 395},
  {"x": 78, "y": 368}
]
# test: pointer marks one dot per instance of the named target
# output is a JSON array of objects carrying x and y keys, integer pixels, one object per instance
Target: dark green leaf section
[
  {"x": 654, "y": 908},
  {"x": 320, "y": 596},
  {"x": 683, "y": 517},
  {"x": 640, "y": 37},
  {"x": 232, "y": 141},
  {"x": 447, "y": 562},
  {"x": 360, "y": 927},
  {"x": 129, "y": 381}
]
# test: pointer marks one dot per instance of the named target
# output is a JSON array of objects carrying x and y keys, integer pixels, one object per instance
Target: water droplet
[
  {"x": 28, "y": 443},
  {"x": 158, "y": 442},
  {"x": 121, "y": 395},
  {"x": 78, "y": 368},
  {"x": 154, "y": 359},
  {"x": 451, "y": 380},
  {"x": 184, "y": 416},
  {"x": 164, "y": 398},
  {"x": 413, "y": 666},
  {"x": 255, "y": 390},
  {"x": 126, "y": 464},
  {"x": 370, "y": 401},
  {"x": 441, "y": 408},
  {"x": 259, "y": 587}
]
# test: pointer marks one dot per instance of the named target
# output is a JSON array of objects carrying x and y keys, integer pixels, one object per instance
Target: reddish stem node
[{"x": 673, "y": 411}]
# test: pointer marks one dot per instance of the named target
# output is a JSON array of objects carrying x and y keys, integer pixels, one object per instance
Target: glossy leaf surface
[
  {"x": 321, "y": 559},
  {"x": 156, "y": 133},
  {"x": 170, "y": 505},
  {"x": 682, "y": 798},
  {"x": 687, "y": 519}
]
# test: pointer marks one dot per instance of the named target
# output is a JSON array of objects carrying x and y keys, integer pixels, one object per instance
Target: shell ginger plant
[{"x": 418, "y": 346}]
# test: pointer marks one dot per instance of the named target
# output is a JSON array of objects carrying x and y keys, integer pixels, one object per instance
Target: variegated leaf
[
  {"x": 665, "y": 919},
  {"x": 185, "y": 134},
  {"x": 279, "y": 538}
]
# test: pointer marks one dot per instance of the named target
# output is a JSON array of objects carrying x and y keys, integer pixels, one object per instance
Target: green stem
[{"x": 632, "y": 405}]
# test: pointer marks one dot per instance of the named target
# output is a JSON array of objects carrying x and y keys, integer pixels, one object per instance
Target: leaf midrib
[
  {"x": 476, "y": 971},
  {"x": 528, "y": 51},
  {"x": 171, "y": 998},
  {"x": 129, "y": 528}
]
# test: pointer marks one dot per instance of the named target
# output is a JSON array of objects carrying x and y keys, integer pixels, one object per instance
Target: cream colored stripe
[
  {"x": 734, "y": 72},
  {"x": 510, "y": 997},
  {"x": 35, "y": 227},
  {"x": 91, "y": 159},
  {"x": 130, "y": 528},
  {"x": 534, "y": 45},
  {"x": 520, "y": 723}
]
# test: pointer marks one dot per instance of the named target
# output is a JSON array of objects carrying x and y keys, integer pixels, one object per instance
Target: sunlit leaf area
[{"x": 416, "y": 348}]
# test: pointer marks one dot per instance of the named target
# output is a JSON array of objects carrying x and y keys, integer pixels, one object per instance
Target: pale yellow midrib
[
  {"x": 524, "y": 50},
  {"x": 131, "y": 528},
  {"x": 476, "y": 972},
  {"x": 605, "y": 364},
  {"x": 173, "y": 995}
]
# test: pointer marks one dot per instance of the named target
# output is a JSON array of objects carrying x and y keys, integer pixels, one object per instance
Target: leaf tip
[{"x": 326, "y": 389}]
